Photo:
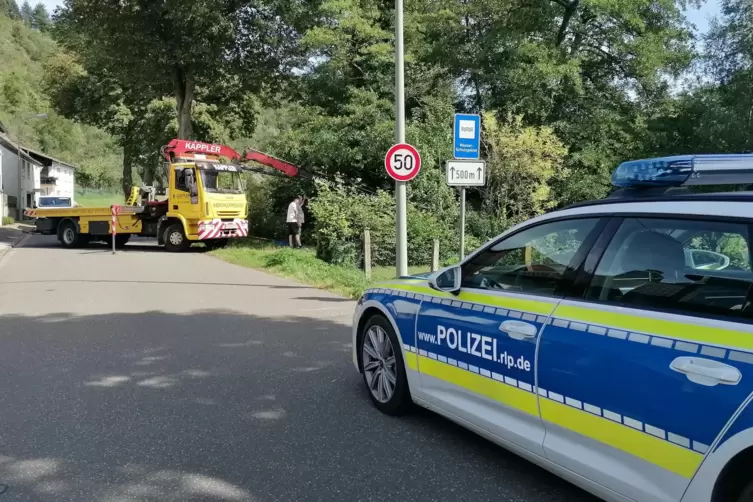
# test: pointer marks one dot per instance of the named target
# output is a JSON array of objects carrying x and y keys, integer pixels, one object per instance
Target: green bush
[
  {"x": 342, "y": 214},
  {"x": 8, "y": 220}
]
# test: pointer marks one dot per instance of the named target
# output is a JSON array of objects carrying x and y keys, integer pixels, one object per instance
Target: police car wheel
[
  {"x": 383, "y": 368},
  {"x": 747, "y": 494}
]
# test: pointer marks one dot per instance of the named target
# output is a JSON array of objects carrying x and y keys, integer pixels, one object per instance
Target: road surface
[{"x": 149, "y": 376}]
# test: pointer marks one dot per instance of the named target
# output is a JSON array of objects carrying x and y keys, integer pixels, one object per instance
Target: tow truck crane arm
[{"x": 179, "y": 148}]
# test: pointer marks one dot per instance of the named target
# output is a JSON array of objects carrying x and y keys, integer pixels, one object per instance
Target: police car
[{"x": 610, "y": 342}]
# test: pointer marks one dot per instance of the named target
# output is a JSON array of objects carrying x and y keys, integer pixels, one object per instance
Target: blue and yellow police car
[{"x": 610, "y": 342}]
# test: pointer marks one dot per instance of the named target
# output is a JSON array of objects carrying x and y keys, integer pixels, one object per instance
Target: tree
[
  {"x": 180, "y": 46},
  {"x": 27, "y": 13},
  {"x": 141, "y": 119},
  {"x": 590, "y": 69},
  {"x": 40, "y": 18},
  {"x": 716, "y": 114},
  {"x": 521, "y": 163},
  {"x": 10, "y": 8}
]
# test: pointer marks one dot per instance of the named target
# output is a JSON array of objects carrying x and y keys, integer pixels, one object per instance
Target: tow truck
[{"x": 205, "y": 202}]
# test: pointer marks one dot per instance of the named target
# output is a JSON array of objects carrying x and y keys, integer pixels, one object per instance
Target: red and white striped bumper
[{"x": 218, "y": 229}]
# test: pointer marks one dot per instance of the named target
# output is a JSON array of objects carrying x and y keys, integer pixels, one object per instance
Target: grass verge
[
  {"x": 93, "y": 199},
  {"x": 303, "y": 266}
]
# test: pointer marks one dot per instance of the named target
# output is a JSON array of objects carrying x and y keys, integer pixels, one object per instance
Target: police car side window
[
  {"x": 531, "y": 261},
  {"x": 685, "y": 266}
]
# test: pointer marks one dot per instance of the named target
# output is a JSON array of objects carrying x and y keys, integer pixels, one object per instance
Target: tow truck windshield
[{"x": 218, "y": 180}]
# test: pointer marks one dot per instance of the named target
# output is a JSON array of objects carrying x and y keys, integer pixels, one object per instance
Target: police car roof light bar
[{"x": 685, "y": 170}]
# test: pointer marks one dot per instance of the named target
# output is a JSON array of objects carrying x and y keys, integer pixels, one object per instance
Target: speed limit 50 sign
[{"x": 402, "y": 162}]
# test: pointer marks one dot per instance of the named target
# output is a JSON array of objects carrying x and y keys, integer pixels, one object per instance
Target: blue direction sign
[{"x": 467, "y": 143}]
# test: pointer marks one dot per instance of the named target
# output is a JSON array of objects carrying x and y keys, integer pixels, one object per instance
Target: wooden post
[
  {"x": 367, "y": 253},
  {"x": 435, "y": 256}
]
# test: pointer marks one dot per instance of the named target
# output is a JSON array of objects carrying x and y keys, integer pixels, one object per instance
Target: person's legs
[
  {"x": 291, "y": 233},
  {"x": 298, "y": 238}
]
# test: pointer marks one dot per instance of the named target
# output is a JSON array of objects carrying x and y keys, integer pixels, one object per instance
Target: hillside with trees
[
  {"x": 567, "y": 90},
  {"x": 25, "y": 51}
]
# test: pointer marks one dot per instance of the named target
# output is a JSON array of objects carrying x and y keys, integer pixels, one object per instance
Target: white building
[
  {"x": 20, "y": 179},
  {"x": 57, "y": 177}
]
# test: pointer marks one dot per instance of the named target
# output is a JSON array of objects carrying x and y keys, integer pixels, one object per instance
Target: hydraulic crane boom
[{"x": 179, "y": 148}]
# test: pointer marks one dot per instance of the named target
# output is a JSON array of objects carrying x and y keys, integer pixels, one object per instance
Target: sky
[
  {"x": 50, "y": 4},
  {"x": 700, "y": 17}
]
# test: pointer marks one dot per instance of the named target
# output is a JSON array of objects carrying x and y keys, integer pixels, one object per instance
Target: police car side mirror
[{"x": 447, "y": 280}]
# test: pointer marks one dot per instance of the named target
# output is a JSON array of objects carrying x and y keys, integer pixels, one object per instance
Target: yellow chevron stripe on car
[
  {"x": 653, "y": 450},
  {"x": 661, "y": 327},
  {"x": 411, "y": 360},
  {"x": 498, "y": 391}
]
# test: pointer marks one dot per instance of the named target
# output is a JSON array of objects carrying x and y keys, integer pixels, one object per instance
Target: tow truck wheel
[
  {"x": 68, "y": 235},
  {"x": 175, "y": 239},
  {"x": 216, "y": 244}
]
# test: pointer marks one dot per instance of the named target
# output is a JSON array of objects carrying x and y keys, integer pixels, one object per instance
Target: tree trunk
[
  {"x": 127, "y": 162},
  {"x": 184, "y": 92},
  {"x": 566, "y": 17}
]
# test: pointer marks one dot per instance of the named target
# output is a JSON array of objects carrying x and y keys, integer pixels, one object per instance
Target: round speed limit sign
[{"x": 402, "y": 162}]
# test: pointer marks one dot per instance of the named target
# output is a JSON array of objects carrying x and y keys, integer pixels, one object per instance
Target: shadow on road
[
  {"x": 180, "y": 283},
  {"x": 219, "y": 405},
  {"x": 330, "y": 299},
  {"x": 135, "y": 245}
]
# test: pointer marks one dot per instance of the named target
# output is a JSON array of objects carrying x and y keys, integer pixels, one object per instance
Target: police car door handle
[
  {"x": 706, "y": 371},
  {"x": 518, "y": 330}
]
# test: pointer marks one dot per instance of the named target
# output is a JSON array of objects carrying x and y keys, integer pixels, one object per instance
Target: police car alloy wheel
[{"x": 382, "y": 366}]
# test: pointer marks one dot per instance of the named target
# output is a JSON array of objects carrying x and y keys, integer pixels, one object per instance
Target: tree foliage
[
  {"x": 176, "y": 47},
  {"x": 40, "y": 18}
]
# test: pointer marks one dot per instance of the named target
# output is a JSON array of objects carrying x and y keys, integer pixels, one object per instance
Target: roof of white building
[
  {"x": 17, "y": 149},
  {"x": 40, "y": 156}
]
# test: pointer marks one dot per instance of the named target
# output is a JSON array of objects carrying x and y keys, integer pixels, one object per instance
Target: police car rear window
[{"x": 692, "y": 267}]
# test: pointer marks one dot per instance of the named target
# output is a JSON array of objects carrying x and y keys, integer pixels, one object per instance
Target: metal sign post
[
  {"x": 462, "y": 174},
  {"x": 401, "y": 218},
  {"x": 462, "y": 222}
]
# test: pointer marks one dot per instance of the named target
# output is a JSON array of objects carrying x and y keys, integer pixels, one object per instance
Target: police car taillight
[{"x": 685, "y": 170}]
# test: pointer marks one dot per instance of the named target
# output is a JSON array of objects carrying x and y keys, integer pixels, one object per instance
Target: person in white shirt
[{"x": 295, "y": 220}]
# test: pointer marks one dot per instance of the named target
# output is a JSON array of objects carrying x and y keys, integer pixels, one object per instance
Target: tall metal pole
[
  {"x": 462, "y": 223},
  {"x": 400, "y": 198}
]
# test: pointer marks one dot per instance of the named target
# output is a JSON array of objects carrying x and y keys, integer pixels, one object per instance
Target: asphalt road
[{"x": 149, "y": 376}]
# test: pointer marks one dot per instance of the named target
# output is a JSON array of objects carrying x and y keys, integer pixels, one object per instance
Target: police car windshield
[{"x": 221, "y": 181}]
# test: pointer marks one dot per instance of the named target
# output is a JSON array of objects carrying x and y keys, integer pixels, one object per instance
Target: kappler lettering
[{"x": 203, "y": 147}]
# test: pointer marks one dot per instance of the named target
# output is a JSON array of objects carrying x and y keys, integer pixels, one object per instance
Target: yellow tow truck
[{"x": 205, "y": 203}]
